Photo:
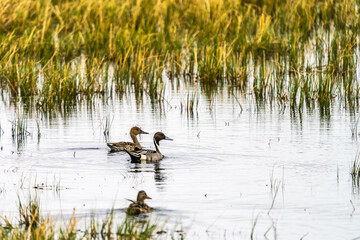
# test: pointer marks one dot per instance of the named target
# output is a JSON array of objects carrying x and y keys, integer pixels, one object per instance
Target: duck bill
[
  {"x": 143, "y": 132},
  {"x": 167, "y": 138},
  {"x": 147, "y": 197}
]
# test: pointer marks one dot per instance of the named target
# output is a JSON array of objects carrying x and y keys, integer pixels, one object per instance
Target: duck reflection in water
[{"x": 159, "y": 173}]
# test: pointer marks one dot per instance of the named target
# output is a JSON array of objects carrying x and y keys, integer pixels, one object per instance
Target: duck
[
  {"x": 139, "y": 206},
  {"x": 149, "y": 155},
  {"x": 130, "y": 146}
]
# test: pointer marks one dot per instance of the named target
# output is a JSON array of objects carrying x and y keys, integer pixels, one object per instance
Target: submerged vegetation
[
  {"x": 300, "y": 52},
  {"x": 31, "y": 224}
]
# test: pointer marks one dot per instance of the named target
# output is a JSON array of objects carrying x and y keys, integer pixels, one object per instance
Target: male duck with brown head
[
  {"x": 149, "y": 155},
  {"x": 139, "y": 206},
  {"x": 129, "y": 146}
]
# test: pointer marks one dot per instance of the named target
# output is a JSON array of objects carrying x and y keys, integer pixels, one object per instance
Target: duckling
[
  {"x": 138, "y": 206},
  {"x": 149, "y": 155},
  {"x": 122, "y": 146}
]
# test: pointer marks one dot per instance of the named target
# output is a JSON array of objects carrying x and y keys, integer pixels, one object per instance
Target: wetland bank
[{"x": 260, "y": 97}]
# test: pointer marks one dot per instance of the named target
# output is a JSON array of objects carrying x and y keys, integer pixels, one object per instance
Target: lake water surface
[{"x": 221, "y": 174}]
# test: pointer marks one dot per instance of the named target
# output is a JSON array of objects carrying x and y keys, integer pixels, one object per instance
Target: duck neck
[
  {"x": 156, "y": 143},
  {"x": 135, "y": 140}
]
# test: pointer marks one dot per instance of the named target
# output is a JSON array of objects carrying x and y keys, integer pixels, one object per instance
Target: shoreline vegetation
[
  {"x": 299, "y": 53},
  {"x": 32, "y": 224}
]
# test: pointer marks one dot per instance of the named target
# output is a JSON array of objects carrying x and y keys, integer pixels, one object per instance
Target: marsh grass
[
  {"x": 254, "y": 225},
  {"x": 38, "y": 130},
  {"x": 19, "y": 132},
  {"x": 1, "y": 131},
  {"x": 190, "y": 105},
  {"x": 107, "y": 127},
  {"x": 354, "y": 128},
  {"x": 31, "y": 224},
  {"x": 29, "y": 214},
  {"x": 54, "y": 186},
  {"x": 355, "y": 172},
  {"x": 139, "y": 229},
  {"x": 299, "y": 52}
]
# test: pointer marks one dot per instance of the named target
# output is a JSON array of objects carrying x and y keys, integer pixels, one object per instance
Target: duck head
[
  {"x": 160, "y": 136},
  {"x": 142, "y": 196},
  {"x": 137, "y": 131}
]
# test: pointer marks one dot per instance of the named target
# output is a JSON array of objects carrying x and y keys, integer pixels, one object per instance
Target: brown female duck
[
  {"x": 149, "y": 155},
  {"x": 139, "y": 206},
  {"x": 129, "y": 146}
]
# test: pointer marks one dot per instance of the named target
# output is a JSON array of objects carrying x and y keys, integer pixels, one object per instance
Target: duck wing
[
  {"x": 133, "y": 209},
  {"x": 144, "y": 151},
  {"x": 136, "y": 208},
  {"x": 121, "y": 146}
]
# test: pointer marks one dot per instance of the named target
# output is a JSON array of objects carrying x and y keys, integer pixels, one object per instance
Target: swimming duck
[
  {"x": 149, "y": 155},
  {"x": 138, "y": 206},
  {"x": 122, "y": 146}
]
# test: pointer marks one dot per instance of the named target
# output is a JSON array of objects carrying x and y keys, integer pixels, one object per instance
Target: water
[{"x": 221, "y": 173}]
